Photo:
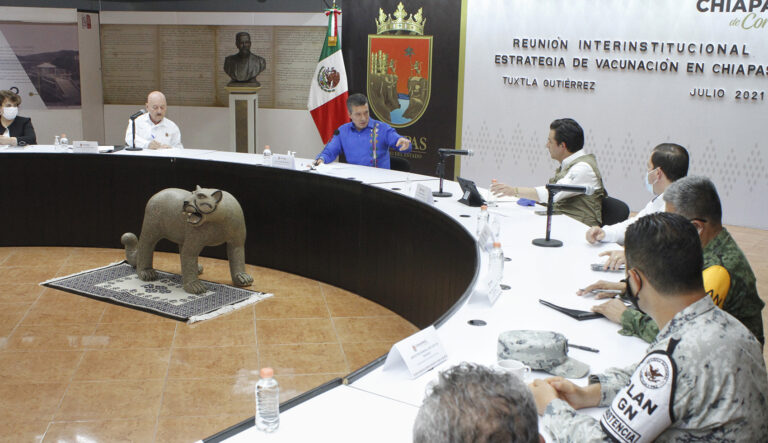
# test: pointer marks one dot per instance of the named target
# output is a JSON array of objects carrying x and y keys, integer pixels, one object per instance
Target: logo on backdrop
[
  {"x": 399, "y": 67},
  {"x": 752, "y": 9}
]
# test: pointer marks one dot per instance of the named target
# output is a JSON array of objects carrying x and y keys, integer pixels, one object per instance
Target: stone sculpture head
[{"x": 201, "y": 203}]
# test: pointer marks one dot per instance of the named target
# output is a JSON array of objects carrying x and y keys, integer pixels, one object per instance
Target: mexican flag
[{"x": 329, "y": 91}]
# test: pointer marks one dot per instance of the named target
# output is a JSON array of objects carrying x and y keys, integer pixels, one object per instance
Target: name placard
[
  {"x": 424, "y": 194},
  {"x": 418, "y": 353},
  {"x": 85, "y": 147},
  {"x": 284, "y": 161}
]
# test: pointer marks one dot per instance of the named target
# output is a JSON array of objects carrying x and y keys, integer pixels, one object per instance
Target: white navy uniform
[
  {"x": 703, "y": 379},
  {"x": 166, "y": 132}
]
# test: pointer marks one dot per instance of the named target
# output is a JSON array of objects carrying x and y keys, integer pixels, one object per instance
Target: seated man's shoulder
[
  {"x": 170, "y": 123},
  {"x": 718, "y": 333}
]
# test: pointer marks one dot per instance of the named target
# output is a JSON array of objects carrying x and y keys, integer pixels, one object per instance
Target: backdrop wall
[
  {"x": 631, "y": 90},
  {"x": 202, "y": 127}
]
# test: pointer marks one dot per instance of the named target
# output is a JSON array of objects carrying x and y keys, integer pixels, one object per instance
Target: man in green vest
[{"x": 566, "y": 138}]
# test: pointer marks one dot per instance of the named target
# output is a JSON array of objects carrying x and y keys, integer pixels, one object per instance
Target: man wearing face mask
[
  {"x": 14, "y": 130},
  {"x": 728, "y": 278},
  {"x": 678, "y": 392},
  {"x": 153, "y": 130},
  {"x": 668, "y": 162}
]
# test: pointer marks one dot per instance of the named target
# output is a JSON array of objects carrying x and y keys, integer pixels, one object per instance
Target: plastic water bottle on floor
[
  {"x": 496, "y": 262},
  {"x": 267, "y": 156},
  {"x": 482, "y": 219},
  {"x": 267, "y": 401}
]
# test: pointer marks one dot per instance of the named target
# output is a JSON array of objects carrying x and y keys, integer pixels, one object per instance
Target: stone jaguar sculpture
[{"x": 193, "y": 220}]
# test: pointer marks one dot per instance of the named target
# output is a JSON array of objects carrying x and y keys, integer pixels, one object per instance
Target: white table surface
[{"x": 382, "y": 405}]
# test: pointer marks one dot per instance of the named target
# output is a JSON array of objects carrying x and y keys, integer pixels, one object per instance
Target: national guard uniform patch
[{"x": 643, "y": 409}]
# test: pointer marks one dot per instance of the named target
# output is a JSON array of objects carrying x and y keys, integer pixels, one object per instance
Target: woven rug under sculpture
[{"x": 119, "y": 284}]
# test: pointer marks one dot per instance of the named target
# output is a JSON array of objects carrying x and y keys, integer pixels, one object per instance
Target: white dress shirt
[
  {"x": 580, "y": 174},
  {"x": 165, "y": 132},
  {"x": 615, "y": 233}
]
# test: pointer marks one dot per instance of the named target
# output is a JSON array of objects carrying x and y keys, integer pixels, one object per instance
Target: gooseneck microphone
[
  {"x": 133, "y": 118},
  {"x": 467, "y": 152},
  {"x": 137, "y": 114},
  {"x": 586, "y": 189},
  {"x": 554, "y": 188}
]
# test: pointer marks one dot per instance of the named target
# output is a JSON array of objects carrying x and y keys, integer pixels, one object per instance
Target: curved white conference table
[{"x": 381, "y": 406}]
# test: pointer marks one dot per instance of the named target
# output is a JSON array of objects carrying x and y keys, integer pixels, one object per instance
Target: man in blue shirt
[{"x": 364, "y": 141}]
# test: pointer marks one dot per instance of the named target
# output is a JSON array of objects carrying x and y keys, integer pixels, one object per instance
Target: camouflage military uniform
[
  {"x": 728, "y": 279},
  {"x": 715, "y": 400}
]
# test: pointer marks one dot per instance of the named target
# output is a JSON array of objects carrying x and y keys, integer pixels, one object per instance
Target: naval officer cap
[{"x": 542, "y": 351}]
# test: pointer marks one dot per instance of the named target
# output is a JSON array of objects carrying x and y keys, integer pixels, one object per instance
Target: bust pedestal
[{"x": 243, "y": 107}]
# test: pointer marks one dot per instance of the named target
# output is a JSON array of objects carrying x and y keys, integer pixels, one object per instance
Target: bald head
[{"x": 156, "y": 106}]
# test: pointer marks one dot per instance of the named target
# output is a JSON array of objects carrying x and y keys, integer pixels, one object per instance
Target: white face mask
[
  {"x": 10, "y": 113},
  {"x": 649, "y": 185}
]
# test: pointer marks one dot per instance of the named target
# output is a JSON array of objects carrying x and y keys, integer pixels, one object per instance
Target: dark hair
[
  {"x": 569, "y": 132},
  {"x": 237, "y": 36},
  {"x": 695, "y": 197},
  {"x": 666, "y": 249},
  {"x": 357, "y": 99},
  {"x": 11, "y": 96},
  {"x": 472, "y": 403},
  {"x": 672, "y": 159}
]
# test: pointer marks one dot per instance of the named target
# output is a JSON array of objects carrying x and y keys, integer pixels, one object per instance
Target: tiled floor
[{"x": 75, "y": 369}]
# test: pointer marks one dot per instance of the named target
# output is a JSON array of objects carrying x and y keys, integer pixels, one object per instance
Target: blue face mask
[{"x": 649, "y": 185}]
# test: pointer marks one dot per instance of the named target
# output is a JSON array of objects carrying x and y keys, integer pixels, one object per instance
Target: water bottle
[
  {"x": 482, "y": 219},
  {"x": 408, "y": 184},
  {"x": 267, "y": 156},
  {"x": 57, "y": 140},
  {"x": 491, "y": 196},
  {"x": 495, "y": 227},
  {"x": 267, "y": 402},
  {"x": 496, "y": 262}
]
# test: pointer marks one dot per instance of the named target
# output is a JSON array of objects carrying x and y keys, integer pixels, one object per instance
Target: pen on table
[{"x": 584, "y": 348}]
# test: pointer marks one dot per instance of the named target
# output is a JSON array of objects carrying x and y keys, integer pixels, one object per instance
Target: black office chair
[
  {"x": 614, "y": 211},
  {"x": 399, "y": 164}
]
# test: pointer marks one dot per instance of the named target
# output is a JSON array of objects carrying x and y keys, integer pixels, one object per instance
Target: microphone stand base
[
  {"x": 131, "y": 148},
  {"x": 551, "y": 243},
  {"x": 441, "y": 194}
]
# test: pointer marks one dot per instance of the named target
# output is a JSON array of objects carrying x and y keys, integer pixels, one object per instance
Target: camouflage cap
[{"x": 541, "y": 350}]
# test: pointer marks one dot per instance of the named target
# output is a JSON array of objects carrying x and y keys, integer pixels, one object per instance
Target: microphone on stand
[
  {"x": 586, "y": 189},
  {"x": 467, "y": 152},
  {"x": 553, "y": 189},
  {"x": 137, "y": 114},
  {"x": 443, "y": 153},
  {"x": 133, "y": 118}
]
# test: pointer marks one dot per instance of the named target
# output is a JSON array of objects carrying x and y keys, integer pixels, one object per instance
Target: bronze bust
[{"x": 244, "y": 66}]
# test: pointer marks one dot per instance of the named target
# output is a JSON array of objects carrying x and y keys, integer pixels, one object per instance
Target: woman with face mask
[{"x": 14, "y": 130}]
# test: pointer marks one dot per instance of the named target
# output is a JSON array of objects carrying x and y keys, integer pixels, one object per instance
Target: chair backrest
[
  {"x": 399, "y": 164},
  {"x": 614, "y": 211}
]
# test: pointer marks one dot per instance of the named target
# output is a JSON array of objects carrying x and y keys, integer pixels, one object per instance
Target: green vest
[{"x": 584, "y": 208}]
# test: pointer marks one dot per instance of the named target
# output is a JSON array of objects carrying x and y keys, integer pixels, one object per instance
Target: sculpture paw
[
  {"x": 148, "y": 274},
  {"x": 199, "y": 269},
  {"x": 195, "y": 287},
  {"x": 242, "y": 279}
]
